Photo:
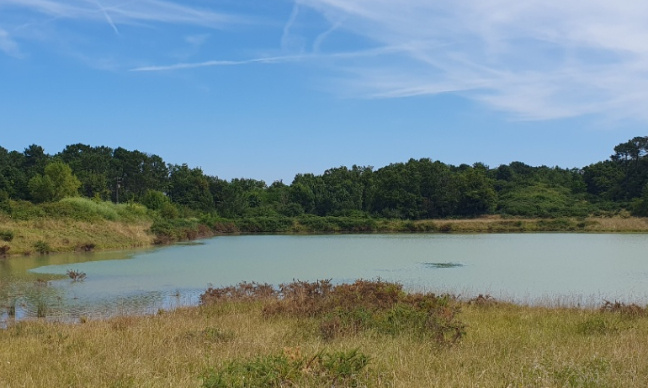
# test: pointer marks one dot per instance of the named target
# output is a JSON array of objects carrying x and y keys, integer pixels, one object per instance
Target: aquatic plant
[
  {"x": 443, "y": 265},
  {"x": 76, "y": 276}
]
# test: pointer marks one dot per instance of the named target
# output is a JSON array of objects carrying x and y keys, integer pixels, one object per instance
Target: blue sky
[{"x": 267, "y": 89}]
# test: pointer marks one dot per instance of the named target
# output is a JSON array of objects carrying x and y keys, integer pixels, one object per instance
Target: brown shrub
[
  {"x": 242, "y": 292},
  {"x": 630, "y": 310}
]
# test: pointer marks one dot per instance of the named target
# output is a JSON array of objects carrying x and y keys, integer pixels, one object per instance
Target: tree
[
  {"x": 56, "y": 183},
  {"x": 190, "y": 187},
  {"x": 92, "y": 165},
  {"x": 477, "y": 195}
]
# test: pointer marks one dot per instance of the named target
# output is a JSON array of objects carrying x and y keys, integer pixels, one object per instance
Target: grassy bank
[
  {"x": 74, "y": 224},
  {"x": 182, "y": 229},
  {"x": 249, "y": 339},
  {"x": 78, "y": 224}
]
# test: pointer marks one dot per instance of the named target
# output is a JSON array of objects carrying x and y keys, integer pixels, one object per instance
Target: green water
[{"x": 575, "y": 269}]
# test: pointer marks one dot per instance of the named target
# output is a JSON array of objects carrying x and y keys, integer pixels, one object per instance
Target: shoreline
[{"x": 52, "y": 235}]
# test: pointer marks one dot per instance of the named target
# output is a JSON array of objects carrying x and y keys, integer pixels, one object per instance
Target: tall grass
[
  {"x": 505, "y": 346},
  {"x": 73, "y": 224}
]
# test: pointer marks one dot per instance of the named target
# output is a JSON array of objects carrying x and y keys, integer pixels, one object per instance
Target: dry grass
[
  {"x": 497, "y": 224},
  {"x": 618, "y": 224},
  {"x": 66, "y": 235},
  {"x": 505, "y": 346}
]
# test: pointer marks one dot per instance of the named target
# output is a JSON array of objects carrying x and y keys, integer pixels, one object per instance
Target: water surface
[{"x": 526, "y": 268}]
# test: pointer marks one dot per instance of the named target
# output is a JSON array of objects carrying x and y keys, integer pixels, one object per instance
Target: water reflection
[
  {"x": 25, "y": 294},
  {"x": 574, "y": 269}
]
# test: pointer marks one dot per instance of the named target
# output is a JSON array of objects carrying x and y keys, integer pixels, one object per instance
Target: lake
[{"x": 573, "y": 269}]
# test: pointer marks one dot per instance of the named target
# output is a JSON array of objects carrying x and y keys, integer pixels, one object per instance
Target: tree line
[{"x": 416, "y": 189}]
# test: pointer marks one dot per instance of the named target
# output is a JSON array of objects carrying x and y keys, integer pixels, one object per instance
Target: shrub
[
  {"x": 445, "y": 228},
  {"x": 627, "y": 310},
  {"x": 597, "y": 325},
  {"x": 350, "y": 308},
  {"x": 4, "y": 250},
  {"x": 291, "y": 369},
  {"x": 6, "y": 235},
  {"x": 76, "y": 276},
  {"x": 83, "y": 209},
  {"x": 42, "y": 247},
  {"x": 242, "y": 292}
]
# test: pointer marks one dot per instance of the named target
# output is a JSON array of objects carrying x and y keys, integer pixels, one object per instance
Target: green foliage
[
  {"x": 24, "y": 210},
  {"x": 42, "y": 247},
  {"x": 155, "y": 200},
  {"x": 170, "y": 230},
  {"x": 347, "y": 309},
  {"x": 597, "y": 325},
  {"x": 190, "y": 187},
  {"x": 290, "y": 368},
  {"x": 6, "y": 235},
  {"x": 590, "y": 375},
  {"x": 264, "y": 224},
  {"x": 415, "y": 190},
  {"x": 540, "y": 200},
  {"x": 56, "y": 183}
]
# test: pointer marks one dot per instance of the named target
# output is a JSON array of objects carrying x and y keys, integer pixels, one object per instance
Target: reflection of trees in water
[{"x": 54, "y": 300}]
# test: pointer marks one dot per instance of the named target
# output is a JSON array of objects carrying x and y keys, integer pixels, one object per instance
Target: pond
[{"x": 573, "y": 269}]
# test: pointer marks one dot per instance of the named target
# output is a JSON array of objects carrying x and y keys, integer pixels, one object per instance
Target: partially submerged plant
[{"x": 76, "y": 276}]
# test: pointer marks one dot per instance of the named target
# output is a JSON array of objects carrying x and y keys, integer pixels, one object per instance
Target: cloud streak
[
  {"x": 120, "y": 11},
  {"x": 214, "y": 63},
  {"x": 108, "y": 18},
  {"x": 534, "y": 59},
  {"x": 8, "y": 45}
]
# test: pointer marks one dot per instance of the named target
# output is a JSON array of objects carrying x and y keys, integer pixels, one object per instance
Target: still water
[{"x": 575, "y": 269}]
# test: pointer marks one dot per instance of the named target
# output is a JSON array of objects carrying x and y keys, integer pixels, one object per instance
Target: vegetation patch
[
  {"x": 348, "y": 309},
  {"x": 292, "y": 369},
  {"x": 597, "y": 325},
  {"x": 6, "y": 235},
  {"x": 443, "y": 265},
  {"x": 42, "y": 247},
  {"x": 76, "y": 276},
  {"x": 626, "y": 310}
]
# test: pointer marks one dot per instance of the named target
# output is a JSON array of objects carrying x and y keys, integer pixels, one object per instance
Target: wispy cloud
[
  {"x": 120, "y": 11},
  {"x": 195, "y": 65},
  {"x": 534, "y": 59},
  {"x": 308, "y": 57},
  {"x": 108, "y": 18},
  {"x": 8, "y": 45}
]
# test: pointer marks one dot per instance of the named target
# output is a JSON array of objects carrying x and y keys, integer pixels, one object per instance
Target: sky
[{"x": 267, "y": 89}]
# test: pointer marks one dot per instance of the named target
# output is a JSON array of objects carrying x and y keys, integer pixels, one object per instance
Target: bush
[
  {"x": 76, "y": 276},
  {"x": 6, "y": 235},
  {"x": 42, "y": 247},
  {"x": 351, "y": 308},
  {"x": 83, "y": 209},
  {"x": 291, "y": 369}
]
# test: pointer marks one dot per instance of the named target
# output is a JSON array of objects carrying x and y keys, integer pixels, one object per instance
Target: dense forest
[{"x": 416, "y": 189}]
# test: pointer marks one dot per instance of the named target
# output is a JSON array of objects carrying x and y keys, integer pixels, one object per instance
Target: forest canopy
[{"x": 416, "y": 189}]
